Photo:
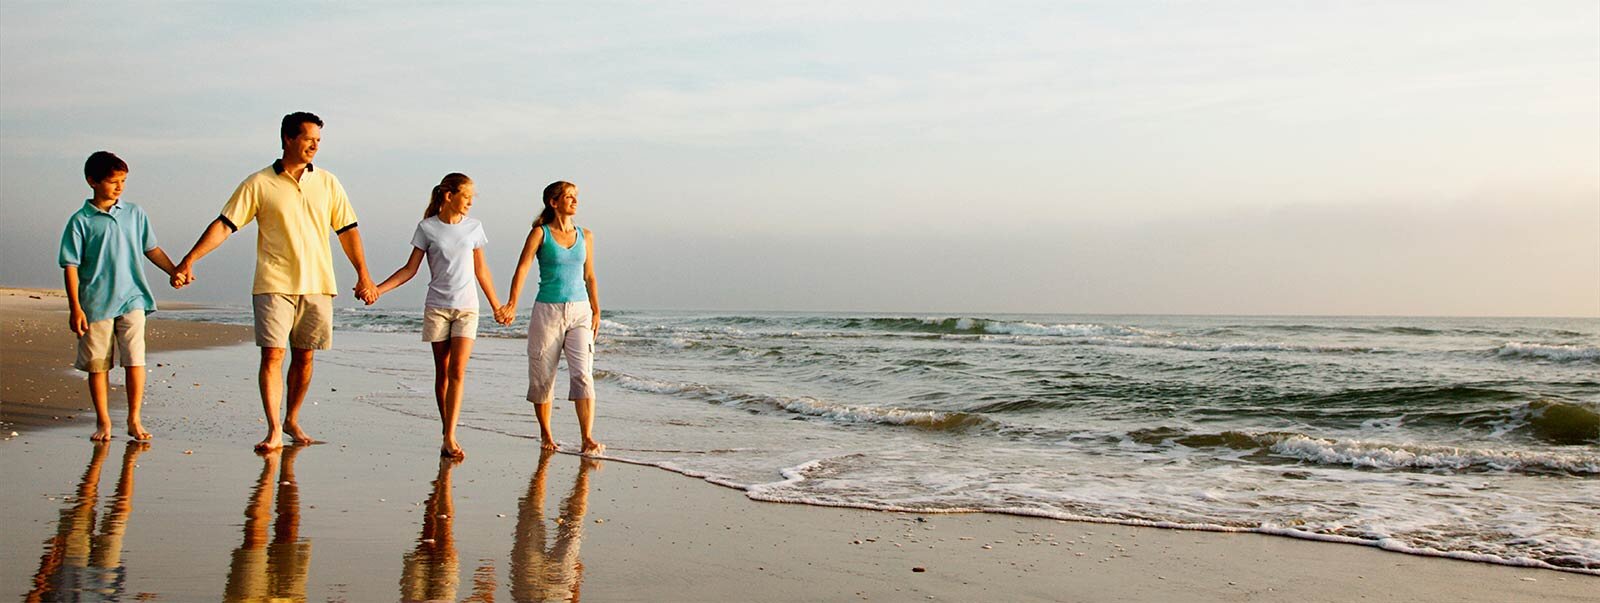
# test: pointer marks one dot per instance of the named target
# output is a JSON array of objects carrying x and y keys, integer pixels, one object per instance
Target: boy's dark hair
[
  {"x": 102, "y": 164},
  {"x": 292, "y": 124}
]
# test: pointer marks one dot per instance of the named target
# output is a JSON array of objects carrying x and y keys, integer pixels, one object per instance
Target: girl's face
[
  {"x": 460, "y": 201},
  {"x": 567, "y": 203}
]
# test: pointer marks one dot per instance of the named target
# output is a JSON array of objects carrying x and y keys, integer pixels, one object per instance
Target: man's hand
[
  {"x": 365, "y": 291},
  {"x": 182, "y": 275},
  {"x": 78, "y": 322}
]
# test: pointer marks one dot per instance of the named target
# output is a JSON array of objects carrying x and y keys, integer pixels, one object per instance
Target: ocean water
[{"x": 1473, "y": 438}]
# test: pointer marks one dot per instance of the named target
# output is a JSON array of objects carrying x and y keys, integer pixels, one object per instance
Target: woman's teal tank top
[{"x": 561, "y": 269}]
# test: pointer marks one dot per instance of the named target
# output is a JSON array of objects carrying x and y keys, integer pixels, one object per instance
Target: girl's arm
[
  {"x": 485, "y": 279},
  {"x": 529, "y": 247},
  {"x": 588, "y": 280},
  {"x": 403, "y": 274}
]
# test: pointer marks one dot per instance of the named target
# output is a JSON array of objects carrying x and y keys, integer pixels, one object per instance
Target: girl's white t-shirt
[{"x": 449, "y": 249}]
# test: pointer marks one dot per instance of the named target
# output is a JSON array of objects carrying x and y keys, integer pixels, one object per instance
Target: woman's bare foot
[
  {"x": 102, "y": 433},
  {"x": 137, "y": 432},
  {"x": 593, "y": 448},
  {"x": 297, "y": 434},
  {"x": 548, "y": 444},
  {"x": 273, "y": 442}
]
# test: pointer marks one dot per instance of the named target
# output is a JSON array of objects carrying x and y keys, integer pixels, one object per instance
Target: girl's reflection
[
  {"x": 276, "y": 570},
  {"x": 76, "y": 560},
  {"x": 431, "y": 572},
  {"x": 553, "y": 574}
]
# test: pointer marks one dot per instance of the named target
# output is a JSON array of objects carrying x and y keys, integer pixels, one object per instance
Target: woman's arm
[
  {"x": 529, "y": 247},
  {"x": 403, "y": 274},
  {"x": 589, "y": 282}
]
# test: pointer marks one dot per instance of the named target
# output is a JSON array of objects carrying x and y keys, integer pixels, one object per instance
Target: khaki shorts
[
  {"x": 302, "y": 322},
  {"x": 440, "y": 324},
  {"x": 120, "y": 339}
]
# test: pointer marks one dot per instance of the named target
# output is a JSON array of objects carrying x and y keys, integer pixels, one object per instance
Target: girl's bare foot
[
  {"x": 548, "y": 444},
  {"x": 453, "y": 450},
  {"x": 297, "y": 434},
  {"x": 593, "y": 448},
  {"x": 102, "y": 433},
  {"x": 137, "y": 432},
  {"x": 273, "y": 442}
]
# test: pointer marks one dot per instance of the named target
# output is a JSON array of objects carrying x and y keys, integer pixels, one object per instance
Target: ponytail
[
  {"x": 552, "y": 193},
  {"x": 450, "y": 184}
]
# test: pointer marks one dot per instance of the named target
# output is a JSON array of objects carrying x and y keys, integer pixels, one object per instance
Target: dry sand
[{"x": 373, "y": 515}]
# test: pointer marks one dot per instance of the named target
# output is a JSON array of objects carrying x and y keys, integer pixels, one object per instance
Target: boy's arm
[
  {"x": 402, "y": 275},
  {"x": 75, "y": 318},
  {"x": 160, "y": 259},
  {"x": 350, "y": 240},
  {"x": 209, "y": 240}
]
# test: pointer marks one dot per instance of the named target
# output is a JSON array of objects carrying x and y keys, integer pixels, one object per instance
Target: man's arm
[
  {"x": 215, "y": 234},
  {"x": 350, "y": 240}
]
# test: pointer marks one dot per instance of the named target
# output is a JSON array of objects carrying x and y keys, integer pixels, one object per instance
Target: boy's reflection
[
  {"x": 276, "y": 570},
  {"x": 77, "y": 560},
  {"x": 554, "y": 574}
]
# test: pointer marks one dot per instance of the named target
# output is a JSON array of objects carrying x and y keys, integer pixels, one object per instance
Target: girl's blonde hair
[
  {"x": 552, "y": 193},
  {"x": 451, "y": 184}
]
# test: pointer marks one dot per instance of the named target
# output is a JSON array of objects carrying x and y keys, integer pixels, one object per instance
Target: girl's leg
[
  {"x": 441, "y": 372},
  {"x": 135, "y": 386},
  {"x": 460, "y": 352}
]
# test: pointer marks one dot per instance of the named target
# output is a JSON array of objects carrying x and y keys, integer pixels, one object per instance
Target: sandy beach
[{"x": 373, "y": 514}]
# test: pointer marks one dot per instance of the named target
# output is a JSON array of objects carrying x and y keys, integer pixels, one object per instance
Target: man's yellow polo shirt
[{"x": 293, "y": 255}]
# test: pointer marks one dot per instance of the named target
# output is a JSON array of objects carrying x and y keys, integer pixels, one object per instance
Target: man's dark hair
[
  {"x": 292, "y": 124},
  {"x": 102, "y": 164}
]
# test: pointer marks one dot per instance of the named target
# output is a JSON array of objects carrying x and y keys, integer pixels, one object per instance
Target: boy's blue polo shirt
[{"x": 107, "y": 247}]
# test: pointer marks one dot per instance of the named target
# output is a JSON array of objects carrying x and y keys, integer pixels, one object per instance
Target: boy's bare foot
[
  {"x": 137, "y": 432},
  {"x": 592, "y": 448},
  {"x": 102, "y": 434},
  {"x": 548, "y": 444},
  {"x": 273, "y": 442},
  {"x": 297, "y": 434}
]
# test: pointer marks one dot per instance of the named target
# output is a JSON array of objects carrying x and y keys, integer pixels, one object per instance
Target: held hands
[
  {"x": 365, "y": 291},
  {"x": 78, "y": 322},
  {"x": 505, "y": 314},
  {"x": 182, "y": 275}
]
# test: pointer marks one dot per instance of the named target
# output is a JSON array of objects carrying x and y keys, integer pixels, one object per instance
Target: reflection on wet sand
[
  {"x": 432, "y": 571},
  {"x": 275, "y": 570},
  {"x": 554, "y": 573},
  {"x": 78, "y": 563}
]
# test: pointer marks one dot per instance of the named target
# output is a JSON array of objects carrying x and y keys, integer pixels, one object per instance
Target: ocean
[{"x": 1471, "y": 438}]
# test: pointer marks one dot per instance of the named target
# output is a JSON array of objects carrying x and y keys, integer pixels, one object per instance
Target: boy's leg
[
  {"x": 98, "y": 384},
  {"x": 130, "y": 346},
  {"x": 300, "y": 364}
]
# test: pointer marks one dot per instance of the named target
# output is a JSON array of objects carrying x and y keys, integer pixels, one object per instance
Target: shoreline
[{"x": 647, "y": 534}]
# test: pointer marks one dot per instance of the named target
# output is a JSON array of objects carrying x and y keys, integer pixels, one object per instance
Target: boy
[{"x": 107, "y": 295}]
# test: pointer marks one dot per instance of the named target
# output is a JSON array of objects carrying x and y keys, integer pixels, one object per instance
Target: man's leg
[
  {"x": 299, "y": 383},
  {"x": 270, "y": 378}
]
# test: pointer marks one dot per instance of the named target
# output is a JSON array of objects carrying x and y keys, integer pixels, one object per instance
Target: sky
[{"x": 1346, "y": 158}]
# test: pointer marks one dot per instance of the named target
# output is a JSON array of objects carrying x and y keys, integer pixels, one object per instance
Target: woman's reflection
[
  {"x": 554, "y": 573},
  {"x": 77, "y": 561},
  {"x": 275, "y": 570}
]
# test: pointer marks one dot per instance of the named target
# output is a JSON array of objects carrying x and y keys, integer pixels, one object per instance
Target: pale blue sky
[{"x": 1184, "y": 157}]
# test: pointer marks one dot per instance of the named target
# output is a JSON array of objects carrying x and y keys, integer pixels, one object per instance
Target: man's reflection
[
  {"x": 554, "y": 573},
  {"x": 274, "y": 570},
  {"x": 77, "y": 560}
]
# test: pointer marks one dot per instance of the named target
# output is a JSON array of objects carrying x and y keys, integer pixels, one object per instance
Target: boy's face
[
  {"x": 303, "y": 147},
  {"x": 109, "y": 189}
]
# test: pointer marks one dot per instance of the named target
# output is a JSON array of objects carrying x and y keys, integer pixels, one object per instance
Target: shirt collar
[
  {"x": 89, "y": 208},
  {"x": 277, "y": 167}
]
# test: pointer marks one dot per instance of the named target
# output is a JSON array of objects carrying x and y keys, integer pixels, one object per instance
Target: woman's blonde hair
[{"x": 552, "y": 193}]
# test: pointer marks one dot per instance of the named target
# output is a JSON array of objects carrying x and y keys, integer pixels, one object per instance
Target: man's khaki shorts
[
  {"x": 302, "y": 322},
  {"x": 440, "y": 324},
  {"x": 120, "y": 339}
]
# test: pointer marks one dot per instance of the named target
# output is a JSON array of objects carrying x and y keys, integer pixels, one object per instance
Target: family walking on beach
[{"x": 297, "y": 206}]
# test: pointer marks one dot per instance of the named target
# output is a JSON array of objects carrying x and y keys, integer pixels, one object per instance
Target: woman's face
[
  {"x": 460, "y": 201},
  {"x": 567, "y": 203}
]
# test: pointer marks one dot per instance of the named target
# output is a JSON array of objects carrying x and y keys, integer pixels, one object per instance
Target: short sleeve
[
  {"x": 242, "y": 206},
  {"x": 419, "y": 239},
  {"x": 479, "y": 239},
  {"x": 341, "y": 216},
  {"x": 146, "y": 234},
  {"x": 71, "y": 244}
]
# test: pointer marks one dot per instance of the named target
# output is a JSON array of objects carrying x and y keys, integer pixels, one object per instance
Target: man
[{"x": 297, "y": 205}]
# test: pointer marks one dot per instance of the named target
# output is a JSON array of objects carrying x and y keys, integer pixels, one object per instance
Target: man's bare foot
[
  {"x": 548, "y": 444},
  {"x": 102, "y": 433},
  {"x": 137, "y": 432},
  {"x": 297, "y": 434},
  {"x": 273, "y": 442},
  {"x": 593, "y": 448}
]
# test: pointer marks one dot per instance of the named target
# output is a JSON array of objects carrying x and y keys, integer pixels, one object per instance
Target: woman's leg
[
  {"x": 579, "y": 346},
  {"x": 544, "y": 350}
]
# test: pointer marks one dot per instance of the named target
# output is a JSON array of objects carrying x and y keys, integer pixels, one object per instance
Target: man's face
[
  {"x": 109, "y": 189},
  {"x": 302, "y": 148}
]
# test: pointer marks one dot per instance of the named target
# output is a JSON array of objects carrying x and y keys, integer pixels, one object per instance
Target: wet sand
[{"x": 374, "y": 515}]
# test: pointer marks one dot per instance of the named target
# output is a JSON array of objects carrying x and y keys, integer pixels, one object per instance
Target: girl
[
  {"x": 453, "y": 244},
  {"x": 566, "y": 312}
]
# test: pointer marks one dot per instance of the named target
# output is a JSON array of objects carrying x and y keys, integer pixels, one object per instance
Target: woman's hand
[{"x": 505, "y": 314}]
